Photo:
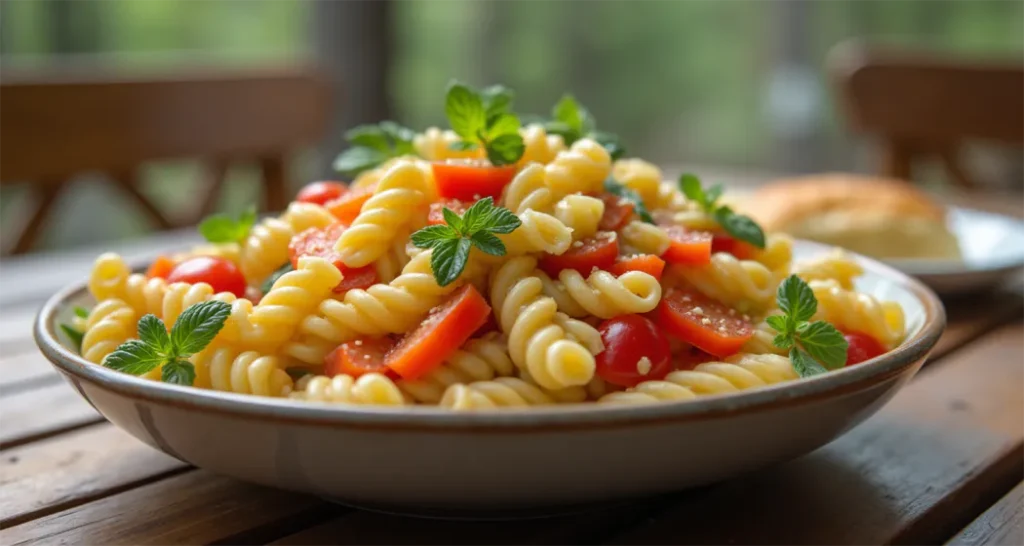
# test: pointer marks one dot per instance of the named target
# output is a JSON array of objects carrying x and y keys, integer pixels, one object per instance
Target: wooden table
[{"x": 942, "y": 462}]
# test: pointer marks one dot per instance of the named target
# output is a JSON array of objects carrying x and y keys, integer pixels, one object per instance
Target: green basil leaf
[
  {"x": 797, "y": 300},
  {"x": 153, "y": 333},
  {"x": 497, "y": 99},
  {"x": 567, "y": 111},
  {"x": 81, "y": 312},
  {"x": 502, "y": 124},
  {"x": 178, "y": 372},
  {"x": 218, "y": 228},
  {"x": 568, "y": 134},
  {"x": 74, "y": 335},
  {"x": 245, "y": 222},
  {"x": 397, "y": 133},
  {"x": 784, "y": 341},
  {"x": 465, "y": 111},
  {"x": 712, "y": 194},
  {"x": 826, "y": 344},
  {"x": 610, "y": 142},
  {"x": 804, "y": 365},
  {"x": 503, "y": 221},
  {"x": 463, "y": 145},
  {"x": 506, "y": 149},
  {"x": 448, "y": 260},
  {"x": 277, "y": 274},
  {"x": 613, "y": 187},
  {"x": 739, "y": 226},
  {"x": 691, "y": 188},
  {"x": 429, "y": 236},
  {"x": 477, "y": 216},
  {"x": 134, "y": 357},
  {"x": 197, "y": 326},
  {"x": 488, "y": 243},
  {"x": 453, "y": 221},
  {"x": 778, "y": 323},
  {"x": 369, "y": 136},
  {"x": 356, "y": 160}
]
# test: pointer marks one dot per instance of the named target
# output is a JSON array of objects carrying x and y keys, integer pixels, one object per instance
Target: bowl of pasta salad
[{"x": 492, "y": 317}]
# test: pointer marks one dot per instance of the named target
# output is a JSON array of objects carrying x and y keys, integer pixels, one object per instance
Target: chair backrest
[
  {"x": 56, "y": 127},
  {"x": 926, "y": 104}
]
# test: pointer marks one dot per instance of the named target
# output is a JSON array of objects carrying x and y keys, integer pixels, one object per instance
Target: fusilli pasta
[
  {"x": 855, "y": 312},
  {"x": 837, "y": 265},
  {"x": 540, "y": 147},
  {"x": 480, "y": 359},
  {"x": 248, "y": 372},
  {"x": 602, "y": 294},
  {"x": 370, "y": 389},
  {"x": 110, "y": 323}
]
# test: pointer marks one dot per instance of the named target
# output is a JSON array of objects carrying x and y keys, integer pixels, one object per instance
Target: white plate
[{"x": 993, "y": 250}]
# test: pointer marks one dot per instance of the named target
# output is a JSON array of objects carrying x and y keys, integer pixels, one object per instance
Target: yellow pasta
[
  {"x": 540, "y": 147},
  {"x": 640, "y": 176},
  {"x": 370, "y": 389},
  {"x": 855, "y": 312},
  {"x": 745, "y": 285},
  {"x": 643, "y": 238},
  {"x": 500, "y": 392},
  {"x": 582, "y": 168},
  {"x": 110, "y": 323},
  {"x": 266, "y": 248},
  {"x": 293, "y": 296},
  {"x": 248, "y": 372},
  {"x": 581, "y": 214},
  {"x": 478, "y": 360},
  {"x": 837, "y": 266},
  {"x": 602, "y": 294},
  {"x": 435, "y": 145}
]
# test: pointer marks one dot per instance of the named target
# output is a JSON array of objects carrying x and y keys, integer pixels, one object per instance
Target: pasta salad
[{"x": 488, "y": 265}]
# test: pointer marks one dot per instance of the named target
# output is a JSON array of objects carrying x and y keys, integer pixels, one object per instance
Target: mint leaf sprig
[
  {"x": 221, "y": 228},
  {"x": 814, "y": 347},
  {"x": 451, "y": 242},
  {"x": 483, "y": 118},
  {"x": 614, "y": 188},
  {"x": 572, "y": 122},
  {"x": 739, "y": 226},
  {"x": 74, "y": 334},
  {"x": 192, "y": 332},
  {"x": 372, "y": 145}
]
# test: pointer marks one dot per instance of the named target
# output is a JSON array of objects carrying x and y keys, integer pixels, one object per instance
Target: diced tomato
[
  {"x": 702, "y": 322},
  {"x": 441, "y": 334},
  {"x": 436, "y": 216},
  {"x": 346, "y": 207},
  {"x": 358, "y": 357},
  {"x": 161, "y": 267},
  {"x": 321, "y": 192},
  {"x": 861, "y": 347},
  {"x": 617, "y": 212},
  {"x": 471, "y": 179},
  {"x": 648, "y": 263},
  {"x": 320, "y": 242},
  {"x": 721, "y": 242},
  {"x": 221, "y": 274},
  {"x": 635, "y": 350},
  {"x": 600, "y": 251},
  {"x": 687, "y": 247}
]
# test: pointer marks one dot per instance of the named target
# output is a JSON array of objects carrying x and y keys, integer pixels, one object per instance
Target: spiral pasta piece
[
  {"x": 108, "y": 276},
  {"x": 777, "y": 255},
  {"x": 763, "y": 339},
  {"x": 581, "y": 214},
  {"x": 538, "y": 232},
  {"x": 582, "y": 168},
  {"x": 435, "y": 145},
  {"x": 852, "y": 311},
  {"x": 370, "y": 389},
  {"x": 745, "y": 285},
  {"x": 266, "y": 248},
  {"x": 398, "y": 203},
  {"x": 479, "y": 359},
  {"x": 602, "y": 294},
  {"x": 737, "y": 373},
  {"x": 390, "y": 264},
  {"x": 249, "y": 372},
  {"x": 293, "y": 296},
  {"x": 537, "y": 343},
  {"x": 837, "y": 265},
  {"x": 529, "y": 190},
  {"x": 640, "y": 176},
  {"x": 500, "y": 392},
  {"x": 540, "y": 147},
  {"x": 110, "y": 323},
  {"x": 228, "y": 251},
  {"x": 643, "y": 238}
]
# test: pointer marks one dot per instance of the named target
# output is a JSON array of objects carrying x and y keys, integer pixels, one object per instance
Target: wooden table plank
[
  {"x": 912, "y": 474},
  {"x": 969, "y": 318},
  {"x": 39, "y": 413},
  {"x": 1003, "y": 524},
  {"x": 44, "y": 477},
  {"x": 196, "y": 507},
  {"x": 26, "y": 370}
]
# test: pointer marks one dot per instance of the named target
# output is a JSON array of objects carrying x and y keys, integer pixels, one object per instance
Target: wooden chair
[
  {"x": 55, "y": 128},
  {"x": 921, "y": 104}
]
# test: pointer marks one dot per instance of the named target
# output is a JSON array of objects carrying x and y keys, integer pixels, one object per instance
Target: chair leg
[
  {"x": 274, "y": 183},
  {"x": 896, "y": 160},
  {"x": 127, "y": 183},
  {"x": 214, "y": 174},
  {"x": 951, "y": 159},
  {"x": 47, "y": 195}
]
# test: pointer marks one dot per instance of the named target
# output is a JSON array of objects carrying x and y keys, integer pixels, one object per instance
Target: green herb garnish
[
  {"x": 81, "y": 312},
  {"x": 194, "y": 330},
  {"x": 814, "y": 347},
  {"x": 452, "y": 241},
  {"x": 221, "y": 228},
  {"x": 269, "y": 283},
  {"x": 615, "y": 188},
  {"x": 482, "y": 118},
  {"x": 372, "y": 145},
  {"x": 572, "y": 122},
  {"x": 74, "y": 335},
  {"x": 739, "y": 226}
]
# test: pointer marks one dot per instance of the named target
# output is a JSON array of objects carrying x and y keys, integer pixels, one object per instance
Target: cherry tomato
[
  {"x": 221, "y": 274},
  {"x": 320, "y": 242},
  {"x": 635, "y": 350},
  {"x": 617, "y": 212},
  {"x": 321, "y": 192},
  {"x": 703, "y": 322},
  {"x": 721, "y": 242},
  {"x": 648, "y": 263},
  {"x": 347, "y": 207},
  {"x": 358, "y": 357},
  {"x": 687, "y": 247},
  {"x": 600, "y": 251},
  {"x": 862, "y": 347},
  {"x": 471, "y": 179},
  {"x": 161, "y": 267},
  {"x": 436, "y": 216}
]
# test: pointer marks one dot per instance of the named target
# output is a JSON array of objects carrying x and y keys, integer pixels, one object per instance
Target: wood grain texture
[
  {"x": 916, "y": 472},
  {"x": 25, "y": 371},
  {"x": 56, "y": 474},
  {"x": 39, "y": 413},
  {"x": 1003, "y": 524},
  {"x": 193, "y": 508}
]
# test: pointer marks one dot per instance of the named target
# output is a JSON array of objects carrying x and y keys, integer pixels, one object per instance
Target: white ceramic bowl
[{"x": 430, "y": 461}]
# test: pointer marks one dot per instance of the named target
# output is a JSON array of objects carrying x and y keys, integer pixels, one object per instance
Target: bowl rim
[{"x": 555, "y": 417}]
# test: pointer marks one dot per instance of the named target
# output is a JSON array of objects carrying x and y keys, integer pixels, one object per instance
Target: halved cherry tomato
[
  {"x": 358, "y": 357},
  {"x": 687, "y": 247},
  {"x": 600, "y": 251},
  {"x": 703, "y": 322},
  {"x": 320, "y": 242},
  {"x": 441, "y": 334},
  {"x": 635, "y": 350},
  {"x": 347, "y": 207},
  {"x": 471, "y": 179},
  {"x": 617, "y": 212},
  {"x": 648, "y": 263},
  {"x": 721, "y": 242},
  {"x": 161, "y": 267},
  {"x": 221, "y": 274},
  {"x": 321, "y": 192},
  {"x": 436, "y": 216},
  {"x": 862, "y": 347}
]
